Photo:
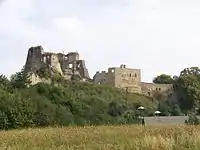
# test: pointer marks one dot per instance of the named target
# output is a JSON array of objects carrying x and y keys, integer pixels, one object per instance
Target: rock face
[{"x": 66, "y": 65}]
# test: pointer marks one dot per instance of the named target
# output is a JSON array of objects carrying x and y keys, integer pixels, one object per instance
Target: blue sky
[{"x": 158, "y": 36}]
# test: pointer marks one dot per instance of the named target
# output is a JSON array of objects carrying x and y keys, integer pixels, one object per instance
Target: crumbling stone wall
[
  {"x": 149, "y": 88},
  {"x": 53, "y": 61},
  {"x": 34, "y": 58},
  {"x": 66, "y": 65},
  {"x": 122, "y": 77},
  {"x": 100, "y": 77}
]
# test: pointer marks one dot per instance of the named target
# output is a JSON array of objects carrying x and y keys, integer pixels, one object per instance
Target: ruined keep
[
  {"x": 66, "y": 65},
  {"x": 120, "y": 77},
  {"x": 130, "y": 79}
]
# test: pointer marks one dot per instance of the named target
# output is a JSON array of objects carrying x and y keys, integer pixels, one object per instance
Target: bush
[
  {"x": 66, "y": 103},
  {"x": 176, "y": 111},
  {"x": 192, "y": 120}
]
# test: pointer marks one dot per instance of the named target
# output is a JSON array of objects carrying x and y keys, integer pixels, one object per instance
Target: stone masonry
[
  {"x": 65, "y": 64},
  {"x": 130, "y": 79},
  {"x": 70, "y": 64}
]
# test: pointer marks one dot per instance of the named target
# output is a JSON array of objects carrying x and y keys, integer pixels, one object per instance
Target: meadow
[{"x": 103, "y": 138}]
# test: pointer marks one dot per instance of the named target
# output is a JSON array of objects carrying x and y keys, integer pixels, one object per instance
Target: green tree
[
  {"x": 192, "y": 120},
  {"x": 65, "y": 103},
  {"x": 164, "y": 108},
  {"x": 187, "y": 87},
  {"x": 20, "y": 79},
  {"x": 194, "y": 71},
  {"x": 163, "y": 79},
  {"x": 176, "y": 111},
  {"x": 5, "y": 83}
]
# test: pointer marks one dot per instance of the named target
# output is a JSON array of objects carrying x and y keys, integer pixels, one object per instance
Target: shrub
[{"x": 192, "y": 120}]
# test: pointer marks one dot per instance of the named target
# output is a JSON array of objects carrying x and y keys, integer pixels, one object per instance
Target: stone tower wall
[
  {"x": 120, "y": 77},
  {"x": 127, "y": 78},
  {"x": 149, "y": 88},
  {"x": 72, "y": 56},
  {"x": 66, "y": 65},
  {"x": 52, "y": 60},
  {"x": 34, "y": 58},
  {"x": 100, "y": 77}
]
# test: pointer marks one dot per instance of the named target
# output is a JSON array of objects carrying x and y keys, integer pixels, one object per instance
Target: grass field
[{"x": 103, "y": 138}]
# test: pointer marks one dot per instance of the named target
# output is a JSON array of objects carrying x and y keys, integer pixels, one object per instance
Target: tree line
[
  {"x": 64, "y": 103},
  {"x": 186, "y": 89}
]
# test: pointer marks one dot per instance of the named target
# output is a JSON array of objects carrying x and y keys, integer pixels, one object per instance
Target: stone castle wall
[
  {"x": 149, "y": 88},
  {"x": 127, "y": 78},
  {"x": 70, "y": 64},
  {"x": 121, "y": 77},
  {"x": 65, "y": 64}
]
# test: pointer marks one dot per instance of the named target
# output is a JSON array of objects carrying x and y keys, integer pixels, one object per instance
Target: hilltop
[
  {"x": 75, "y": 101},
  {"x": 67, "y": 103}
]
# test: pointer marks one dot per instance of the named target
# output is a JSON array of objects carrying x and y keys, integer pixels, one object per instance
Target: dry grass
[{"x": 103, "y": 138}]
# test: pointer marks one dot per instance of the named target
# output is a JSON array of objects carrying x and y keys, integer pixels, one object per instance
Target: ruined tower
[
  {"x": 34, "y": 58},
  {"x": 130, "y": 79},
  {"x": 65, "y": 64},
  {"x": 120, "y": 77}
]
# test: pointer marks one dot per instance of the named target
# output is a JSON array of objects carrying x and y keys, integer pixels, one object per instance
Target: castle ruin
[
  {"x": 66, "y": 65},
  {"x": 129, "y": 79}
]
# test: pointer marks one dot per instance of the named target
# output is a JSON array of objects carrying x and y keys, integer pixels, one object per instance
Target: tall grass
[{"x": 103, "y": 138}]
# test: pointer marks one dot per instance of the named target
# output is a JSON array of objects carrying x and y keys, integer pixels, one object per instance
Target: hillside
[{"x": 66, "y": 103}]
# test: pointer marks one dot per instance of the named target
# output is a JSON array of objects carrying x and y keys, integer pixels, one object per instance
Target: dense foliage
[
  {"x": 66, "y": 103},
  {"x": 79, "y": 103},
  {"x": 163, "y": 79},
  {"x": 187, "y": 87},
  {"x": 186, "y": 92}
]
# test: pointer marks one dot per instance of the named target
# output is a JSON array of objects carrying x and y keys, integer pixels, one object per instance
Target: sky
[{"x": 156, "y": 36}]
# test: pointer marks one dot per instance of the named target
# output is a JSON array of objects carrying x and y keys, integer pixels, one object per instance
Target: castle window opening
[
  {"x": 30, "y": 53},
  {"x": 44, "y": 59},
  {"x": 112, "y": 70},
  {"x": 159, "y": 89},
  {"x": 156, "y": 89},
  {"x": 135, "y": 75},
  {"x": 70, "y": 66},
  {"x": 130, "y": 74}
]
